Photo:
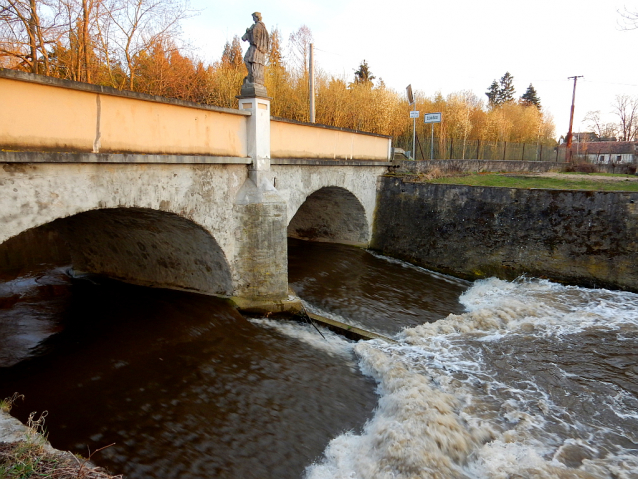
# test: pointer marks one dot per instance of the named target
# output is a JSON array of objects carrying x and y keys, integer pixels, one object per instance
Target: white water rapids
[{"x": 503, "y": 390}]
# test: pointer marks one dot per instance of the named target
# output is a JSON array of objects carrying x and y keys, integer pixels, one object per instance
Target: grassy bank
[
  {"x": 32, "y": 456},
  {"x": 560, "y": 181}
]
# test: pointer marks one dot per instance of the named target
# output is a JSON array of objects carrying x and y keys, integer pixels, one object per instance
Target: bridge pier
[
  {"x": 261, "y": 219},
  {"x": 177, "y": 194}
]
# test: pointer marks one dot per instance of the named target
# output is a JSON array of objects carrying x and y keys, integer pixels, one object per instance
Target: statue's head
[{"x": 257, "y": 16}]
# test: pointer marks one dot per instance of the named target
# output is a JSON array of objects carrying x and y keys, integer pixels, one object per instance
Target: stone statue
[{"x": 255, "y": 57}]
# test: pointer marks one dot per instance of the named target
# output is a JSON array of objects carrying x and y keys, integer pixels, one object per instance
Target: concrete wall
[
  {"x": 154, "y": 195},
  {"x": 624, "y": 169},
  {"x": 57, "y": 115},
  {"x": 580, "y": 237},
  {"x": 347, "y": 192},
  {"x": 290, "y": 139},
  {"x": 48, "y": 114},
  {"x": 32, "y": 249},
  {"x": 474, "y": 166},
  {"x": 200, "y": 227},
  {"x": 508, "y": 166},
  {"x": 174, "y": 194}
]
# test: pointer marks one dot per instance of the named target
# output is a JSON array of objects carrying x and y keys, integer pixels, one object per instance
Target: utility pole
[
  {"x": 414, "y": 116},
  {"x": 311, "y": 84},
  {"x": 571, "y": 118}
]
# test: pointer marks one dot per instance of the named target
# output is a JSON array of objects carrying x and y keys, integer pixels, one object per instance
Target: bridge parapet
[
  {"x": 94, "y": 160},
  {"x": 48, "y": 114},
  {"x": 292, "y": 139}
]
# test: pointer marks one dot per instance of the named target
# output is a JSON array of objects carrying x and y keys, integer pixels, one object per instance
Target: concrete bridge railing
[{"x": 174, "y": 194}]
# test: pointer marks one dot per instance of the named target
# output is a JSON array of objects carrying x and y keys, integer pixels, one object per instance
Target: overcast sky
[{"x": 454, "y": 45}]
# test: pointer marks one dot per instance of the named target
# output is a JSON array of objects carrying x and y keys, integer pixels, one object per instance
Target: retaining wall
[
  {"x": 495, "y": 166},
  {"x": 579, "y": 237}
]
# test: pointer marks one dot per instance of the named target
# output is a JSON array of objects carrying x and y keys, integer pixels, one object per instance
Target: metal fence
[{"x": 451, "y": 149}]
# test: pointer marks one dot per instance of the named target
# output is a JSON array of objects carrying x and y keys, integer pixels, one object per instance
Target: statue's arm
[{"x": 248, "y": 36}]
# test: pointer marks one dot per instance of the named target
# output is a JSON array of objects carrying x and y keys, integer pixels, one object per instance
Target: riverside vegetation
[
  {"x": 33, "y": 457},
  {"x": 560, "y": 181},
  {"x": 137, "y": 45}
]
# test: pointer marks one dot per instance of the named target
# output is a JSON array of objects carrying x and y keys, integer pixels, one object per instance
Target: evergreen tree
[
  {"x": 530, "y": 97},
  {"x": 501, "y": 92},
  {"x": 492, "y": 94},
  {"x": 363, "y": 76},
  {"x": 506, "y": 89}
]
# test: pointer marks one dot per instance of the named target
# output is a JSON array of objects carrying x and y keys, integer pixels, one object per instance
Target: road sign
[
  {"x": 414, "y": 114},
  {"x": 432, "y": 118},
  {"x": 409, "y": 92}
]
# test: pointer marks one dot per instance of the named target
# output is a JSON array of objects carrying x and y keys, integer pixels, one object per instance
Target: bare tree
[
  {"x": 629, "y": 19},
  {"x": 140, "y": 24},
  {"x": 627, "y": 110},
  {"x": 604, "y": 131},
  {"x": 26, "y": 32},
  {"x": 299, "y": 44},
  {"x": 77, "y": 57}
]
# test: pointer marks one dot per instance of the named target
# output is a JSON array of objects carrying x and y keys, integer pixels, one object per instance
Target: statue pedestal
[
  {"x": 253, "y": 90},
  {"x": 262, "y": 213}
]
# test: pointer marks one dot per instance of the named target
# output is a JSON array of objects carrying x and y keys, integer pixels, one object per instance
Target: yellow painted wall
[
  {"x": 292, "y": 140},
  {"x": 50, "y": 118},
  {"x": 38, "y": 117},
  {"x": 143, "y": 126},
  {"x": 41, "y": 117}
]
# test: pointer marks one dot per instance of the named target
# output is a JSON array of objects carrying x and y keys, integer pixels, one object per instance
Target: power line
[{"x": 610, "y": 83}]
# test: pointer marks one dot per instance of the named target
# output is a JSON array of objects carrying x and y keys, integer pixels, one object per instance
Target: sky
[{"x": 450, "y": 46}]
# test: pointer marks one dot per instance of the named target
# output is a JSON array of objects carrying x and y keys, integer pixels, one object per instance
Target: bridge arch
[
  {"x": 332, "y": 203},
  {"x": 331, "y": 214},
  {"x": 143, "y": 246}
]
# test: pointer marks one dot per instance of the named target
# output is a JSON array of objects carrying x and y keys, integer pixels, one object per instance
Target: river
[{"x": 491, "y": 379}]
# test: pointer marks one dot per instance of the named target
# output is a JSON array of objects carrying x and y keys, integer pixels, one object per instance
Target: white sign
[
  {"x": 414, "y": 114},
  {"x": 432, "y": 118}
]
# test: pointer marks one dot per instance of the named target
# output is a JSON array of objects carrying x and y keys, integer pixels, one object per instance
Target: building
[{"x": 606, "y": 152}]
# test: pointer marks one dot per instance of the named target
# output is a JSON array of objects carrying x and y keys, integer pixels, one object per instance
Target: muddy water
[
  {"x": 493, "y": 379},
  {"x": 183, "y": 385},
  {"x": 370, "y": 291}
]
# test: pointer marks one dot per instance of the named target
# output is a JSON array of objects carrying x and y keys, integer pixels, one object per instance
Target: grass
[
  {"x": 7, "y": 403},
  {"x": 33, "y": 458},
  {"x": 526, "y": 182},
  {"x": 22, "y": 460}
]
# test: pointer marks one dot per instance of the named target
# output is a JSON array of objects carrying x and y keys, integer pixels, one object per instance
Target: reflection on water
[
  {"x": 31, "y": 309},
  {"x": 185, "y": 386},
  {"x": 367, "y": 291},
  {"x": 495, "y": 379}
]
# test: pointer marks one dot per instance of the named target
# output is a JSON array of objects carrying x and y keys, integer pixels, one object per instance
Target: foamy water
[{"x": 503, "y": 390}]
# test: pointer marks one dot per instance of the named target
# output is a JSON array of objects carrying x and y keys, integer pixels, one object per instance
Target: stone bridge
[{"x": 175, "y": 194}]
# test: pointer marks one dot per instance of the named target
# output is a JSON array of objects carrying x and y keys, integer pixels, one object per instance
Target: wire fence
[{"x": 451, "y": 149}]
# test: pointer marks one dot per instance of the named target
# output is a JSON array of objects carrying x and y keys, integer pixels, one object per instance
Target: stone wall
[
  {"x": 473, "y": 166},
  {"x": 495, "y": 166},
  {"x": 580, "y": 237}
]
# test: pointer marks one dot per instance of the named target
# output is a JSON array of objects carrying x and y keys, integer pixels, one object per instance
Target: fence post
[
  {"x": 451, "y": 145},
  {"x": 504, "y": 149},
  {"x": 478, "y": 149}
]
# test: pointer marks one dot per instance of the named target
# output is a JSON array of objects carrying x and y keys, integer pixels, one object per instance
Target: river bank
[{"x": 579, "y": 237}]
